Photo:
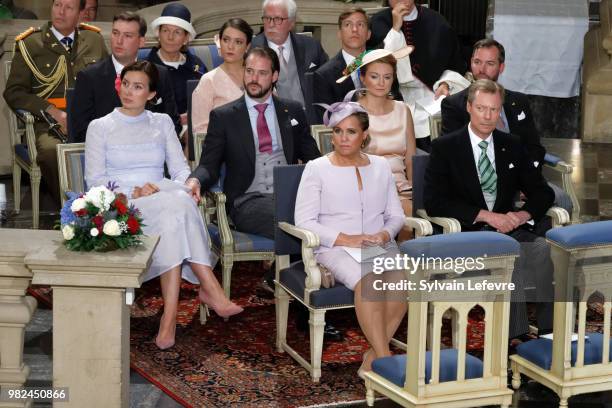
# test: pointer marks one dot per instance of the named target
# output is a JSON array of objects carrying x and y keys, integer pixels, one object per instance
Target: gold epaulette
[
  {"x": 90, "y": 27},
  {"x": 26, "y": 33}
]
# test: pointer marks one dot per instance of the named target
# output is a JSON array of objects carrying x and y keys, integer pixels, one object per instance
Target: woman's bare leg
[
  {"x": 170, "y": 286},
  {"x": 212, "y": 293}
]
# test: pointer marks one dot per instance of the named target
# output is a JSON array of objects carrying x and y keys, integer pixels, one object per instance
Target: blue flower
[{"x": 66, "y": 214}]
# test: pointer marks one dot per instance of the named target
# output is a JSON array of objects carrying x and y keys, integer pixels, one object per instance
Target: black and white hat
[{"x": 175, "y": 14}]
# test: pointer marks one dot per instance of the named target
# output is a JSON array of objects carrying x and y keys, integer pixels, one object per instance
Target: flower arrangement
[{"x": 100, "y": 220}]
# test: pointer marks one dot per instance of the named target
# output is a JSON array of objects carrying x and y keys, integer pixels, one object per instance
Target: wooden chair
[
  {"x": 557, "y": 165},
  {"x": 71, "y": 166},
  {"x": 24, "y": 154},
  {"x": 301, "y": 280},
  {"x": 583, "y": 265},
  {"x": 430, "y": 376},
  {"x": 322, "y": 136},
  {"x": 230, "y": 245}
]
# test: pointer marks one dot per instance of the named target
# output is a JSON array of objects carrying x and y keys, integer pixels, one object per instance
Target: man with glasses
[{"x": 297, "y": 54}]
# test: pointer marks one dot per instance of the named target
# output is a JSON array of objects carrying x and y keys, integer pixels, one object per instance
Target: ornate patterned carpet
[{"x": 235, "y": 363}]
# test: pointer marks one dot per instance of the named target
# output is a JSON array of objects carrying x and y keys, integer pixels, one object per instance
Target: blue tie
[{"x": 67, "y": 41}]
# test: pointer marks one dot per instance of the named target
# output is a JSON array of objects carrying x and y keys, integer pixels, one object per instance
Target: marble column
[
  {"x": 91, "y": 319},
  {"x": 16, "y": 308}
]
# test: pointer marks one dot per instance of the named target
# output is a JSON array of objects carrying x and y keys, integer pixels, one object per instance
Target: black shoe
[
  {"x": 267, "y": 285},
  {"x": 330, "y": 333}
]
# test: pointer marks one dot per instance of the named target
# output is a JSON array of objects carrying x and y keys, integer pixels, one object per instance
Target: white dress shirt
[
  {"x": 60, "y": 36},
  {"x": 286, "y": 48},
  {"x": 474, "y": 140},
  {"x": 270, "y": 114}
]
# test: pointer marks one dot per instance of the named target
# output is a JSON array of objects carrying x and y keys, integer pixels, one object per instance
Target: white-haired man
[{"x": 297, "y": 54}]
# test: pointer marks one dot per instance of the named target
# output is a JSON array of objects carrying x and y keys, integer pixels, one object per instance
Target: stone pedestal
[
  {"x": 91, "y": 321},
  {"x": 15, "y": 308}
]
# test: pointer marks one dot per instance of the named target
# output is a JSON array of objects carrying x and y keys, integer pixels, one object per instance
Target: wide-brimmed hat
[
  {"x": 175, "y": 14},
  {"x": 372, "y": 55}
]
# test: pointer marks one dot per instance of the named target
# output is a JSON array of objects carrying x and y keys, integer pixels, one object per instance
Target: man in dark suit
[
  {"x": 251, "y": 135},
  {"x": 298, "y": 54},
  {"x": 474, "y": 175},
  {"x": 95, "y": 93},
  {"x": 488, "y": 63},
  {"x": 353, "y": 33}
]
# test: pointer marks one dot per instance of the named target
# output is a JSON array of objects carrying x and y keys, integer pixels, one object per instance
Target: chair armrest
[
  {"x": 560, "y": 216},
  {"x": 227, "y": 239},
  {"x": 555, "y": 163},
  {"x": 310, "y": 240},
  {"x": 421, "y": 226},
  {"x": 449, "y": 225},
  {"x": 28, "y": 119}
]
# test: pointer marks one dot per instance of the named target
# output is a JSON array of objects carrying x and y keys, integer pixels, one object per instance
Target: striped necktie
[{"x": 488, "y": 177}]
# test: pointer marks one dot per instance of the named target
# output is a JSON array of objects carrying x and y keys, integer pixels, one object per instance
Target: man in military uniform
[{"x": 45, "y": 63}]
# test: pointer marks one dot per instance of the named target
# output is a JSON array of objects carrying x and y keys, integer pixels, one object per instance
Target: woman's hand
[
  {"x": 145, "y": 190},
  {"x": 378, "y": 239},
  {"x": 362, "y": 240}
]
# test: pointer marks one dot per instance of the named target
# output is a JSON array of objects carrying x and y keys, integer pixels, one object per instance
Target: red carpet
[{"x": 236, "y": 363}]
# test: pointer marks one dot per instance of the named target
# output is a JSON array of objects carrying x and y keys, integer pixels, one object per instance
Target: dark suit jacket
[
  {"x": 436, "y": 46},
  {"x": 95, "y": 97},
  {"x": 326, "y": 90},
  {"x": 309, "y": 56},
  {"x": 452, "y": 187},
  {"x": 230, "y": 140},
  {"x": 518, "y": 114}
]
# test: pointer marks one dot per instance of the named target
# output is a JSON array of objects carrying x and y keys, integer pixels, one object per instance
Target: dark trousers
[
  {"x": 536, "y": 265},
  {"x": 47, "y": 160},
  {"x": 254, "y": 214}
]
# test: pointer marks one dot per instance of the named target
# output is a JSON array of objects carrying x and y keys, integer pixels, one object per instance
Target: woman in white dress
[
  {"x": 223, "y": 84},
  {"x": 129, "y": 146}
]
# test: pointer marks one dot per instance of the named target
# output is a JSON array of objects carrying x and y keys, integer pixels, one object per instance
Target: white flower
[
  {"x": 68, "y": 232},
  {"x": 78, "y": 204},
  {"x": 111, "y": 228},
  {"x": 123, "y": 227},
  {"x": 101, "y": 197},
  {"x": 94, "y": 232}
]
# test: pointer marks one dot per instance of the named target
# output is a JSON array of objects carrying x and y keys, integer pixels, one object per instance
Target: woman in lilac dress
[
  {"x": 350, "y": 200},
  {"x": 129, "y": 146}
]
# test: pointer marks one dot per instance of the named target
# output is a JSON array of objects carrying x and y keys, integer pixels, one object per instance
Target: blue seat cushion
[
  {"x": 294, "y": 278},
  {"x": 539, "y": 351},
  {"x": 243, "y": 242},
  {"x": 21, "y": 150},
  {"x": 462, "y": 244},
  {"x": 551, "y": 159},
  {"x": 394, "y": 368},
  {"x": 582, "y": 235}
]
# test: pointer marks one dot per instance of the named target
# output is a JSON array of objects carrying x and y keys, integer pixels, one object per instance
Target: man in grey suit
[{"x": 297, "y": 54}]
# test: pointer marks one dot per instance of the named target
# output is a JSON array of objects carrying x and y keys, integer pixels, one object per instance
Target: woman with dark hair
[
  {"x": 349, "y": 199},
  {"x": 129, "y": 146},
  {"x": 223, "y": 84},
  {"x": 174, "y": 31}
]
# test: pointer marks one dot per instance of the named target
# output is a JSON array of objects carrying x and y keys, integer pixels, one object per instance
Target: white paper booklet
[{"x": 363, "y": 254}]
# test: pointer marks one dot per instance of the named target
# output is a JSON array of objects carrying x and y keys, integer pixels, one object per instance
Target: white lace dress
[{"x": 131, "y": 151}]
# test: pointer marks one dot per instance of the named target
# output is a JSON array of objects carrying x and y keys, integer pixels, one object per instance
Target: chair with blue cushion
[
  {"x": 301, "y": 280},
  {"x": 71, "y": 166},
  {"x": 432, "y": 376},
  {"x": 230, "y": 245},
  {"x": 24, "y": 153},
  {"x": 204, "y": 48},
  {"x": 557, "y": 165},
  {"x": 570, "y": 363}
]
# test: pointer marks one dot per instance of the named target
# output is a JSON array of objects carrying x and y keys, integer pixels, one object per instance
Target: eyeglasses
[{"x": 276, "y": 20}]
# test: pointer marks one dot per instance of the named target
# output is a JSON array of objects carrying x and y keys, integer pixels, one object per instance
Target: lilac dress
[
  {"x": 329, "y": 202},
  {"x": 132, "y": 151}
]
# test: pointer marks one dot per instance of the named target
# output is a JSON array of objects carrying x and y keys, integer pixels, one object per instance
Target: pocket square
[
  {"x": 312, "y": 64},
  {"x": 158, "y": 101},
  {"x": 521, "y": 116},
  {"x": 536, "y": 163},
  {"x": 511, "y": 166},
  {"x": 294, "y": 122}
]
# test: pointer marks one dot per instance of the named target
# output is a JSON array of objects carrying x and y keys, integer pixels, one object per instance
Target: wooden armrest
[
  {"x": 310, "y": 240},
  {"x": 422, "y": 227},
  {"x": 227, "y": 239},
  {"x": 449, "y": 225},
  {"x": 559, "y": 216}
]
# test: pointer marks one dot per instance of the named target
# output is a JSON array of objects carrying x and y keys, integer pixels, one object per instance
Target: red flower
[
  {"x": 133, "y": 225},
  {"x": 121, "y": 207},
  {"x": 82, "y": 212}
]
